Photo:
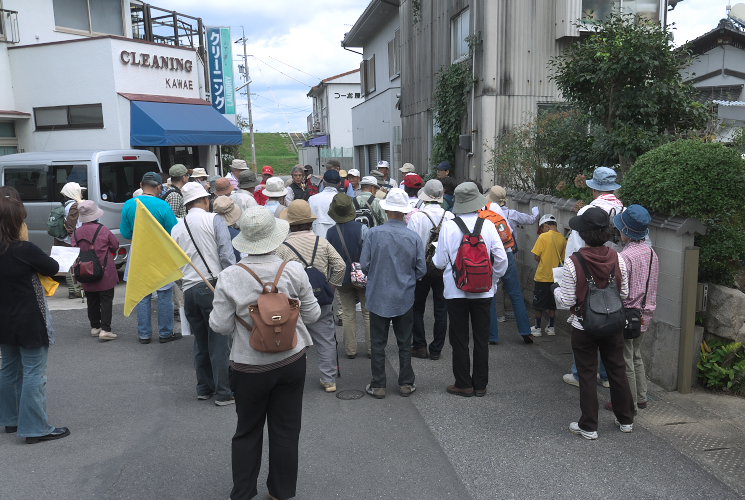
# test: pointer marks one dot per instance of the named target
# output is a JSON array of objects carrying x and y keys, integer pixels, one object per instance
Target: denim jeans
[
  {"x": 513, "y": 289},
  {"x": 165, "y": 314},
  {"x": 23, "y": 390},
  {"x": 379, "y": 337},
  {"x": 211, "y": 350},
  {"x": 601, "y": 369}
]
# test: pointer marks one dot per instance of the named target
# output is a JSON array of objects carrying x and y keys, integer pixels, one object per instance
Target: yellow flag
[{"x": 155, "y": 259}]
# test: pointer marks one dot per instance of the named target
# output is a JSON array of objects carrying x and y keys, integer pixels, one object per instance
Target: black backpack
[
  {"x": 604, "y": 315},
  {"x": 323, "y": 291},
  {"x": 364, "y": 212},
  {"x": 87, "y": 268},
  {"x": 429, "y": 250}
]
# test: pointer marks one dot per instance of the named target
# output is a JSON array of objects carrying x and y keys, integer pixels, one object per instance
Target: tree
[{"x": 626, "y": 76}]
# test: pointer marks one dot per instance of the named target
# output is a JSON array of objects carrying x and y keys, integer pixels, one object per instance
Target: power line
[
  {"x": 281, "y": 72},
  {"x": 296, "y": 69}
]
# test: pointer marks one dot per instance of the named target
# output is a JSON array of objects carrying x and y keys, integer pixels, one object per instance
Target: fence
[{"x": 671, "y": 340}]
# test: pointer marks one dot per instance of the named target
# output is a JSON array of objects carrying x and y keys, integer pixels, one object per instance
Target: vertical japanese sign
[{"x": 220, "y": 55}]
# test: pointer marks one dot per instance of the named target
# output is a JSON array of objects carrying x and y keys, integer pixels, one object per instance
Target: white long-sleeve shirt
[
  {"x": 447, "y": 249},
  {"x": 420, "y": 222},
  {"x": 607, "y": 202}
]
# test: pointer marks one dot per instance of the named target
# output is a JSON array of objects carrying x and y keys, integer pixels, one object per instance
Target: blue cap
[
  {"x": 633, "y": 222},
  {"x": 332, "y": 176},
  {"x": 603, "y": 179},
  {"x": 152, "y": 176},
  {"x": 444, "y": 165}
]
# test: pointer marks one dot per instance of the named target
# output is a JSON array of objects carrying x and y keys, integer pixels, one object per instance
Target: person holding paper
[
  {"x": 548, "y": 251},
  {"x": 93, "y": 235},
  {"x": 25, "y": 331}
]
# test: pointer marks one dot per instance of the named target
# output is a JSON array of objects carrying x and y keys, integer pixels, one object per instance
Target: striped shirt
[
  {"x": 566, "y": 294},
  {"x": 242, "y": 368},
  {"x": 636, "y": 256},
  {"x": 327, "y": 260}
]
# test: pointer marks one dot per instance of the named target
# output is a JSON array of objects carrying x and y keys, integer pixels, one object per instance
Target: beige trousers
[{"x": 348, "y": 296}]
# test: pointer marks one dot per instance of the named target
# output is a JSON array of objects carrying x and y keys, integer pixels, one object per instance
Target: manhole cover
[{"x": 350, "y": 394}]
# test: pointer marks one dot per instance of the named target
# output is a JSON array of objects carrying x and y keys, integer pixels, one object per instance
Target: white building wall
[{"x": 340, "y": 111}]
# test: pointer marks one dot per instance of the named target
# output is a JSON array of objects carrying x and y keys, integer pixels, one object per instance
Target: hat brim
[
  {"x": 91, "y": 217},
  {"x": 392, "y": 208},
  {"x": 189, "y": 200},
  {"x": 627, "y": 231},
  {"x": 425, "y": 197},
  {"x": 266, "y": 245},
  {"x": 602, "y": 187},
  {"x": 248, "y": 185},
  {"x": 579, "y": 224},
  {"x": 274, "y": 194},
  {"x": 469, "y": 206},
  {"x": 232, "y": 216},
  {"x": 341, "y": 218},
  {"x": 284, "y": 215}
]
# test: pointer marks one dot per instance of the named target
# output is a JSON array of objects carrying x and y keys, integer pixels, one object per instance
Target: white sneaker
[
  {"x": 358, "y": 307},
  {"x": 624, "y": 427},
  {"x": 550, "y": 331},
  {"x": 95, "y": 332},
  {"x": 535, "y": 331},
  {"x": 569, "y": 379},
  {"x": 501, "y": 319},
  {"x": 328, "y": 386},
  {"x": 105, "y": 336},
  {"x": 574, "y": 429},
  {"x": 604, "y": 383}
]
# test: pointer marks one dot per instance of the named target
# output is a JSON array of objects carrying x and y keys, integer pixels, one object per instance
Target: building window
[
  {"x": 367, "y": 75},
  {"x": 601, "y": 9},
  {"x": 62, "y": 174},
  {"x": 460, "y": 28},
  {"x": 66, "y": 117},
  {"x": 394, "y": 56},
  {"x": 89, "y": 16},
  {"x": 8, "y": 141}
]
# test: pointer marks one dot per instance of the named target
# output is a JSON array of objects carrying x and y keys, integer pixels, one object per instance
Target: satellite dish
[{"x": 737, "y": 13}]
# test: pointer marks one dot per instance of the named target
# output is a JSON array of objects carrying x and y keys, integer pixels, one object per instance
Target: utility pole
[{"x": 248, "y": 96}]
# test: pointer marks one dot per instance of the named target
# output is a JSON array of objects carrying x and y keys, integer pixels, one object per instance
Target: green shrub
[
  {"x": 722, "y": 366},
  {"x": 705, "y": 181}
]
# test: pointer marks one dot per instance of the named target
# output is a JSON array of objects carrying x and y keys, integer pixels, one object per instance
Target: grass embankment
[{"x": 271, "y": 149}]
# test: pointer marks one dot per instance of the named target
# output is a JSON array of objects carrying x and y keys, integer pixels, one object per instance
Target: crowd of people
[{"x": 277, "y": 265}]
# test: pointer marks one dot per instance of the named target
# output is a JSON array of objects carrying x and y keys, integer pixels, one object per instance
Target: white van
[{"x": 109, "y": 176}]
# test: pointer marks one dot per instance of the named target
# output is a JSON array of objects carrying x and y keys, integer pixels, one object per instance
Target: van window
[
  {"x": 29, "y": 180},
  {"x": 62, "y": 174},
  {"x": 122, "y": 178}
]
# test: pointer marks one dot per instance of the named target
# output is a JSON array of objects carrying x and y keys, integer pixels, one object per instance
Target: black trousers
[
  {"x": 99, "y": 308},
  {"x": 460, "y": 311},
  {"x": 439, "y": 331},
  {"x": 586, "y": 347},
  {"x": 379, "y": 327},
  {"x": 276, "y": 397}
]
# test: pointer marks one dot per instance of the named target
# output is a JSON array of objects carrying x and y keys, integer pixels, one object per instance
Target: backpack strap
[
  {"x": 355, "y": 203},
  {"x": 368, "y": 202},
  {"x": 649, "y": 275},
  {"x": 305, "y": 262},
  {"x": 583, "y": 263},
  {"x": 315, "y": 249},
  {"x": 273, "y": 284},
  {"x": 462, "y": 225},
  {"x": 281, "y": 269},
  {"x": 344, "y": 244}
]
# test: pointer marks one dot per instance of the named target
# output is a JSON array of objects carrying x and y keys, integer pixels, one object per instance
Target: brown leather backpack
[{"x": 274, "y": 317}]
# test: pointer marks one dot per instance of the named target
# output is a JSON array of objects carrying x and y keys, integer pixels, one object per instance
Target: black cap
[
  {"x": 593, "y": 218},
  {"x": 152, "y": 176},
  {"x": 332, "y": 177}
]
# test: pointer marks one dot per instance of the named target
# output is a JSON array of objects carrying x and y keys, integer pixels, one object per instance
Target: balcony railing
[
  {"x": 9, "y": 26},
  {"x": 169, "y": 27}
]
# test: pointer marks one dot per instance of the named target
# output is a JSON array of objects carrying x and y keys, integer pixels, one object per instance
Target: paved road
[{"x": 139, "y": 433}]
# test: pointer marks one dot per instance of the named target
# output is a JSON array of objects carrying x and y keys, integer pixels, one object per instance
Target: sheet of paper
[
  {"x": 65, "y": 256},
  {"x": 558, "y": 274}
]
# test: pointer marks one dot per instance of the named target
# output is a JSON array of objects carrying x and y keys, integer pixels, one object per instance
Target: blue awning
[
  {"x": 321, "y": 140},
  {"x": 172, "y": 124}
]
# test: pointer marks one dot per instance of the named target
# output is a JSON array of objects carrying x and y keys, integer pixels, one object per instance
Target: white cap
[
  {"x": 547, "y": 218},
  {"x": 353, "y": 172},
  {"x": 275, "y": 188},
  {"x": 384, "y": 164},
  {"x": 368, "y": 180},
  {"x": 193, "y": 191},
  {"x": 396, "y": 201}
]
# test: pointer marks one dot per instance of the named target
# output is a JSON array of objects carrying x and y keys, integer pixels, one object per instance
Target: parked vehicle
[{"x": 109, "y": 176}]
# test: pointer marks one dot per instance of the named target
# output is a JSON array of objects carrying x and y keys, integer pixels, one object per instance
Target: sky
[{"x": 294, "y": 44}]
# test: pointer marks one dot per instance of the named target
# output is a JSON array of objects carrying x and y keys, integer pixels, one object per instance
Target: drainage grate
[{"x": 350, "y": 395}]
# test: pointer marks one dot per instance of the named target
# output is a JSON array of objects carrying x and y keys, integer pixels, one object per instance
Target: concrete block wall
[{"x": 670, "y": 238}]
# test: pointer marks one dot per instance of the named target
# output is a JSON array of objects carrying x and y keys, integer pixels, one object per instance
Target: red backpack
[{"x": 472, "y": 268}]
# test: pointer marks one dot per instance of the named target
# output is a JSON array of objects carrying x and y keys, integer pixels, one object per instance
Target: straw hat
[
  {"x": 88, "y": 211},
  {"x": 261, "y": 232},
  {"x": 226, "y": 207},
  {"x": 298, "y": 212}
]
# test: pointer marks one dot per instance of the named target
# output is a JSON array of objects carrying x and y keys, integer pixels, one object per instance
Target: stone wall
[
  {"x": 725, "y": 316},
  {"x": 670, "y": 238}
]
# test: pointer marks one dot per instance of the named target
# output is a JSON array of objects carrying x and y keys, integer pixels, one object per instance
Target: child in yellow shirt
[{"x": 549, "y": 253}]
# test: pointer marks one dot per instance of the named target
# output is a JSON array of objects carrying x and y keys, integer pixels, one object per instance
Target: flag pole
[{"x": 201, "y": 275}]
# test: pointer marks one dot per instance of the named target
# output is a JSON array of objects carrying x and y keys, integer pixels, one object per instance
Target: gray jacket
[{"x": 236, "y": 289}]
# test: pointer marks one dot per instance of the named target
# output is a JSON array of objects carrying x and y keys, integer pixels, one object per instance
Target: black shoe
[
  {"x": 143, "y": 341},
  {"x": 528, "y": 339},
  {"x": 434, "y": 356},
  {"x": 420, "y": 352},
  {"x": 351, "y": 356},
  {"x": 339, "y": 322},
  {"x": 493, "y": 342},
  {"x": 170, "y": 338},
  {"x": 57, "y": 433},
  {"x": 10, "y": 429},
  {"x": 479, "y": 393}
]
